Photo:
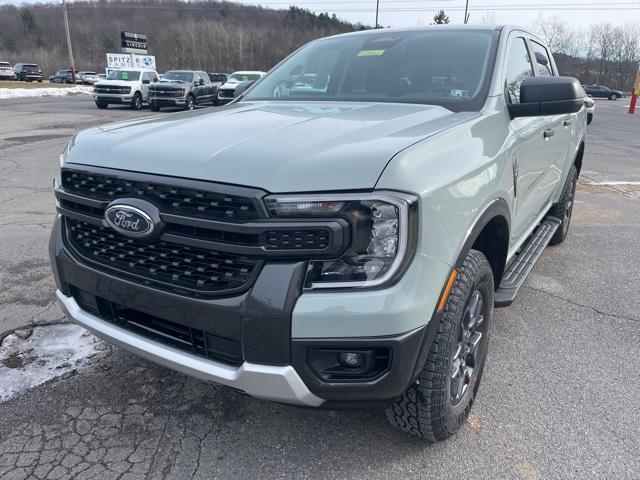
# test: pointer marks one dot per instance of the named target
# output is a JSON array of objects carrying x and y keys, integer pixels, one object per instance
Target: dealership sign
[
  {"x": 133, "y": 42},
  {"x": 144, "y": 61},
  {"x": 118, "y": 60}
]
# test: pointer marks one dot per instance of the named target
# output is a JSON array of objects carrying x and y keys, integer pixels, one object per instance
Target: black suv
[
  {"x": 601, "y": 91},
  {"x": 28, "y": 72},
  {"x": 62, "y": 76}
]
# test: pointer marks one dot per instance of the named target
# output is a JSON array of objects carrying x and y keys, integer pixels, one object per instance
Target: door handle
[
  {"x": 567, "y": 122},
  {"x": 549, "y": 132}
]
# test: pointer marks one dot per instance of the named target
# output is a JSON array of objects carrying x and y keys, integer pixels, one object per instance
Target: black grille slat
[
  {"x": 172, "y": 265},
  {"x": 170, "y": 199},
  {"x": 297, "y": 239}
]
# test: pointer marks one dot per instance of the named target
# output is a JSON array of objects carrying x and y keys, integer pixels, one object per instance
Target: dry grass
[{"x": 44, "y": 84}]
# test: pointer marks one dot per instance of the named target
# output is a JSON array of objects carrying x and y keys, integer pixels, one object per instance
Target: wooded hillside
[{"x": 207, "y": 35}]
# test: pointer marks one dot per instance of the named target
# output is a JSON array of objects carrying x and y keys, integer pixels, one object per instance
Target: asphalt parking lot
[{"x": 559, "y": 397}]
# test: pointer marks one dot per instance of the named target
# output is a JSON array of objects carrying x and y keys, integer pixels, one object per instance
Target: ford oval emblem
[{"x": 129, "y": 220}]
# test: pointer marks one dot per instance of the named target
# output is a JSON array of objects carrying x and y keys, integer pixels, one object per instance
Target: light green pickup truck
[{"x": 337, "y": 242}]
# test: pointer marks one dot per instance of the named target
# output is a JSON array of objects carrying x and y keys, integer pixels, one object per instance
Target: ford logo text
[{"x": 128, "y": 220}]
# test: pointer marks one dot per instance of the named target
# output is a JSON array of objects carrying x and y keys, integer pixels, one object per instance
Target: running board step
[{"x": 522, "y": 264}]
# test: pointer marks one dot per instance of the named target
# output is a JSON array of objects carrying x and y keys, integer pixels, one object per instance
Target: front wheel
[
  {"x": 564, "y": 208},
  {"x": 102, "y": 105},
  {"x": 613, "y": 96},
  {"x": 189, "y": 103},
  {"x": 136, "y": 103},
  {"x": 437, "y": 405}
]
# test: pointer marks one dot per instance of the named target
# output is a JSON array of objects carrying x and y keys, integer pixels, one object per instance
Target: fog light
[{"x": 350, "y": 359}]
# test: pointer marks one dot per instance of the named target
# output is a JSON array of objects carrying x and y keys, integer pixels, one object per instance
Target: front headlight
[{"x": 383, "y": 233}]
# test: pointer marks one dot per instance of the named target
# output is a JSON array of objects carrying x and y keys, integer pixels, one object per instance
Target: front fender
[{"x": 462, "y": 177}]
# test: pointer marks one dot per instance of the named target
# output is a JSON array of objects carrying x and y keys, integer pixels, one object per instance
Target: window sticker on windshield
[
  {"x": 245, "y": 78},
  {"x": 370, "y": 53},
  {"x": 125, "y": 75},
  {"x": 455, "y": 92}
]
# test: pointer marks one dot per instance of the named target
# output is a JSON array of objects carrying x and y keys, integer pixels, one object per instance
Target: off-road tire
[
  {"x": 102, "y": 105},
  {"x": 564, "y": 208},
  {"x": 427, "y": 410},
  {"x": 136, "y": 101}
]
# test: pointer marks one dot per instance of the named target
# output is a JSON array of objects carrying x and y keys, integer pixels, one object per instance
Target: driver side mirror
[
  {"x": 548, "y": 96},
  {"x": 201, "y": 82}
]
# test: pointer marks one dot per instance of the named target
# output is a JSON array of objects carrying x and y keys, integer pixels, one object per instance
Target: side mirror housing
[
  {"x": 201, "y": 82},
  {"x": 548, "y": 96}
]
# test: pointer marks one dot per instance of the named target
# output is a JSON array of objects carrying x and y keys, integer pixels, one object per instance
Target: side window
[
  {"x": 146, "y": 76},
  {"x": 518, "y": 68},
  {"x": 543, "y": 60}
]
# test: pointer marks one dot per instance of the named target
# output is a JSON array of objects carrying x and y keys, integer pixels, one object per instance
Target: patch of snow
[
  {"x": 7, "y": 93},
  {"x": 49, "y": 352}
]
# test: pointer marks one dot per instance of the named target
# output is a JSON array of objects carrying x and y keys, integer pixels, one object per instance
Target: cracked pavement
[{"x": 558, "y": 397}]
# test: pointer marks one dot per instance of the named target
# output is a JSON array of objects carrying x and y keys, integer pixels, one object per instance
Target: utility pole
[
  {"x": 66, "y": 28},
  {"x": 377, "y": 7},
  {"x": 466, "y": 14}
]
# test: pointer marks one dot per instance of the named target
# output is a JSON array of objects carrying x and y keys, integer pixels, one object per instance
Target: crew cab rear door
[{"x": 533, "y": 146}]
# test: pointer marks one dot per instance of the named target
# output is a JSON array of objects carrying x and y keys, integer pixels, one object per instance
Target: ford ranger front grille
[
  {"x": 170, "y": 199},
  {"x": 162, "y": 264}
]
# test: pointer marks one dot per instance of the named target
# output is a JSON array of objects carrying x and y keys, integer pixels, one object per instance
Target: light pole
[
  {"x": 466, "y": 9},
  {"x": 377, "y": 8},
  {"x": 66, "y": 28}
]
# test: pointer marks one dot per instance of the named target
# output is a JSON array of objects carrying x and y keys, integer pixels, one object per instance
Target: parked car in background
[
  {"x": 87, "y": 78},
  {"x": 590, "y": 105},
  {"x": 227, "y": 91},
  {"x": 342, "y": 250},
  {"x": 217, "y": 80},
  {"x": 28, "y": 72},
  {"x": 181, "y": 88},
  {"x": 62, "y": 76},
  {"x": 128, "y": 86},
  {"x": 6, "y": 71},
  {"x": 602, "y": 91}
]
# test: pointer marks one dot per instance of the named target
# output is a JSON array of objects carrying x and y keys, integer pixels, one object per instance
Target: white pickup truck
[{"x": 128, "y": 86}]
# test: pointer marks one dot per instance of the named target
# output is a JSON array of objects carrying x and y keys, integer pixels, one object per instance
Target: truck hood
[
  {"x": 118, "y": 83},
  {"x": 276, "y": 146},
  {"x": 230, "y": 85},
  {"x": 164, "y": 84}
]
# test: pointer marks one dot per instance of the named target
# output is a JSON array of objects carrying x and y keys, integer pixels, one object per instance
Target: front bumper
[
  {"x": 279, "y": 383},
  {"x": 167, "y": 101},
  {"x": 112, "y": 98},
  {"x": 277, "y": 341}
]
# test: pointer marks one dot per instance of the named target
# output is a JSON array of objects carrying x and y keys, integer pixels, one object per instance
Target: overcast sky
[{"x": 399, "y": 13}]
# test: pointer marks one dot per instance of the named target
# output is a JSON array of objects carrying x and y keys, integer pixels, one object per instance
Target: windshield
[
  {"x": 5, "y": 64},
  {"x": 186, "y": 77},
  {"x": 243, "y": 77},
  {"x": 126, "y": 75},
  {"x": 449, "y": 68}
]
